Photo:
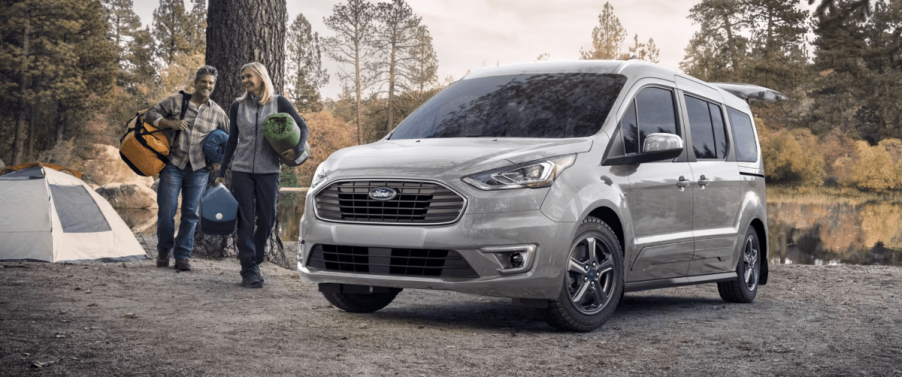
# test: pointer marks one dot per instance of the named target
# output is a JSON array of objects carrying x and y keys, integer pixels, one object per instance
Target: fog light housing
[
  {"x": 513, "y": 259},
  {"x": 516, "y": 260}
]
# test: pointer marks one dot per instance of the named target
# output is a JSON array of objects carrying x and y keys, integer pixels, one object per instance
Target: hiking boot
[
  {"x": 162, "y": 260},
  {"x": 182, "y": 264},
  {"x": 252, "y": 281}
]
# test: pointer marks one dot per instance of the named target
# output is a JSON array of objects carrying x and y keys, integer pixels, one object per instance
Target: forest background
[{"x": 72, "y": 72}]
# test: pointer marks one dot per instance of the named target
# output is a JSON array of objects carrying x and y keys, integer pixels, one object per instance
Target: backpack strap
[{"x": 185, "y": 98}]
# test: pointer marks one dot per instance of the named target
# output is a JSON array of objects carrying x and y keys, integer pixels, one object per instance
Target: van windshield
[{"x": 549, "y": 105}]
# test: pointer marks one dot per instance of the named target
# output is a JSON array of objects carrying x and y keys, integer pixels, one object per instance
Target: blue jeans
[{"x": 191, "y": 184}]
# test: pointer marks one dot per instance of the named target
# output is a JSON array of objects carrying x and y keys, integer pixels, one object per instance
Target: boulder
[
  {"x": 2, "y": 165},
  {"x": 128, "y": 195},
  {"x": 103, "y": 163}
]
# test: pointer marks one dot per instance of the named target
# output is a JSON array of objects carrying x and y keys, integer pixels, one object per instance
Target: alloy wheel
[
  {"x": 590, "y": 277},
  {"x": 751, "y": 267}
]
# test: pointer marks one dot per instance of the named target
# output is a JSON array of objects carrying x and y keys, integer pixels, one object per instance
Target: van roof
[{"x": 734, "y": 95}]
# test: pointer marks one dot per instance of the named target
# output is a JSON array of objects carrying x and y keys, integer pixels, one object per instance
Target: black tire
[
  {"x": 589, "y": 310},
  {"x": 745, "y": 287},
  {"x": 360, "y": 303}
]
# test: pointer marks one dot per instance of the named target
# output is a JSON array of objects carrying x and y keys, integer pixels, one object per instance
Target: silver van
[{"x": 559, "y": 185}]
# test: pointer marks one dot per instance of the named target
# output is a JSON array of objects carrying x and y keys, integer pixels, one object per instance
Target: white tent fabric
[{"x": 47, "y": 215}]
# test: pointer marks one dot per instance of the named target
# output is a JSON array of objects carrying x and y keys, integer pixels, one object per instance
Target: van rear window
[{"x": 743, "y": 136}]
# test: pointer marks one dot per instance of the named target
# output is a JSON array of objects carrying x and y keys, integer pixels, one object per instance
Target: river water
[{"x": 803, "y": 230}]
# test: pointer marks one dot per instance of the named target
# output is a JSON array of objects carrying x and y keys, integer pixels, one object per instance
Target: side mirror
[
  {"x": 661, "y": 143},
  {"x": 657, "y": 147}
]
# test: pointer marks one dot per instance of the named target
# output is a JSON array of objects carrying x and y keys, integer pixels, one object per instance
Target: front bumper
[{"x": 472, "y": 232}]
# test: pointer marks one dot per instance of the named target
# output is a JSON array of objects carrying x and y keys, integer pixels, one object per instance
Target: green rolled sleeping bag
[{"x": 281, "y": 132}]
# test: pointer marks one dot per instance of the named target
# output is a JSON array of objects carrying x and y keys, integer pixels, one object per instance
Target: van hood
[{"x": 441, "y": 157}]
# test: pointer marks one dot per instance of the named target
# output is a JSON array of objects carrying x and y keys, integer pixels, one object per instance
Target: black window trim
[
  {"x": 678, "y": 112},
  {"x": 734, "y": 157},
  {"x": 728, "y": 155}
]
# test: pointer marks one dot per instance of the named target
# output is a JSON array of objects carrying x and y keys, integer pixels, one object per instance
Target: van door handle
[
  {"x": 682, "y": 183},
  {"x": 702, "y": 181}
]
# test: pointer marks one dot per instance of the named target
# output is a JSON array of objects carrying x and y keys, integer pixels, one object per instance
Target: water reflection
[
  {"x": 291, "y": 208},
  {"x": 824, "y": 232},
  {"x": 802, "y": 231}
]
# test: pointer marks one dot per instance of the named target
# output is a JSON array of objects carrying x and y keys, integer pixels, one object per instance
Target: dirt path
[{"x": 136, "y": 319}]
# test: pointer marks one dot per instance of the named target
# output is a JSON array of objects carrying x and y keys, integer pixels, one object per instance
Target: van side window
[
  {"x": 651, "y": 112},
  {"x": 706, "y": 125},
  {"x": 743, "y": 136}
]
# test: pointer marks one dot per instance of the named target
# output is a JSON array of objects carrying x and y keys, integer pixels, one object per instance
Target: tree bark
[
  {"x": 241, "y": 32},
  {"x": 730, "y": 41}
]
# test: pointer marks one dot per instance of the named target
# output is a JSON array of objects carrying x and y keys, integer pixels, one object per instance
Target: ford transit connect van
[{"x": 559, "y": 185}]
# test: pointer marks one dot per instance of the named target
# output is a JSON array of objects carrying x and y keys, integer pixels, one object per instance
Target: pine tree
[
  {"x": 124, "y": 23},
  {"x": 352, "y": 43},
  {"x": 140, "y": 56},
  {"x": 398, "y": 31},
  {"x": 422, "y": 67},
  {"x": 172, "y": 30},
  {"x": 607, "y": 37},
  {"x": 778, "y": 57},
  {"x": 644, "y": 51},
  {"x": 197, "y": 28},
  {"x": 720, "y": 20},
  {"x": 305, "y": 67},
  {"x": 55, "y": 54}
]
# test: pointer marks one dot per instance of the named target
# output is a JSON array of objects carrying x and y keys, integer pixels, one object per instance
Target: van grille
[
  {"x": 390, "y": 261},
  {"x": 415, "y": 203}
]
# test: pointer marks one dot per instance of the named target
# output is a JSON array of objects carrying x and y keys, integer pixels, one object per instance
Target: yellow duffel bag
[{"x": 144, "y": 148}]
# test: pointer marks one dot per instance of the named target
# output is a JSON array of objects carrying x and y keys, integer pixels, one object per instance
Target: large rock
[
  {"x": 103, "y": 164},
  {"x": 128, "y": 195},
  {"x": 2, "y": 165}
]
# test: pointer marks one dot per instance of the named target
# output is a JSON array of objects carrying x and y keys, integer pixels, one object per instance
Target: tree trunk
[
  {"x": 23, "y": 82},
  {"x": 391, "y": 91},
  {"x": 357, "y": 85},
  {"x": 731, "y": 42},
  {"x": 241, "y": 32}
]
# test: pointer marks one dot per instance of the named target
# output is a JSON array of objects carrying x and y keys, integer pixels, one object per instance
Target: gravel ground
[{"x": 137, "y": 319}]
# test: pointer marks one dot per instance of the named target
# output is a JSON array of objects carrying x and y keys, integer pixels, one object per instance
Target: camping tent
[{"x": 49, "y": 215}]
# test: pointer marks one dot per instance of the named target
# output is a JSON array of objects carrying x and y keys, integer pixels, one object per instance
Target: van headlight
[
  {"x": 533, "y": 174},
  {"x": 319, "y": 176}
]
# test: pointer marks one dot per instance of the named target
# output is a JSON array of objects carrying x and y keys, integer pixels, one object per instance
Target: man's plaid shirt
[{"x": 189, "y": 145}]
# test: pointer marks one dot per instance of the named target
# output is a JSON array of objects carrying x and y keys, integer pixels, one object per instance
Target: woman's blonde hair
[{"x": 268, "y": 91}]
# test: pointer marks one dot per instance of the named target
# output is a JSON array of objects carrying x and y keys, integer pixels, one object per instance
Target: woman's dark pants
[{"x": 256, "y": 195}]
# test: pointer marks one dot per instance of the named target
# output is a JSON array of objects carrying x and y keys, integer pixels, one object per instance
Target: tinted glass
[
  {"x": 656, "y": 112},
  {"x": 630, "y": 129},
  {"x": 743, "y": 136},
  {"x": 559, "y": 105},
  {"x": 720, "y": 136},
  {"x": 700, "y": 127}
]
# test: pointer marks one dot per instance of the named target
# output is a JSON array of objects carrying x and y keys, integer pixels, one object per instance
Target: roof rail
[{"x": 750, "y": 92}]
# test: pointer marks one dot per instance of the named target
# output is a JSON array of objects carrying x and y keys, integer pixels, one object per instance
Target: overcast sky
[{"x": 468, "y": 34}]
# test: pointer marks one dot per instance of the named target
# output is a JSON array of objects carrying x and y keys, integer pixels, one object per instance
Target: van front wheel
[{"x": 593, "y": 280}]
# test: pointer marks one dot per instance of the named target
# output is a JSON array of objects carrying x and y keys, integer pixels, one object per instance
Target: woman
[{"x": 256, "y": 167}]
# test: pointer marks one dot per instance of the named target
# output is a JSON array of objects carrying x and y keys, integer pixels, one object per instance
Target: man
[{"x": 187, "y": 172}]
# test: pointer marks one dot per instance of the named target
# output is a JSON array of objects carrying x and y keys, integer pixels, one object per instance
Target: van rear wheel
[
  {"x": 744, "y": 288},
  {"x": 593, "y": 281}
]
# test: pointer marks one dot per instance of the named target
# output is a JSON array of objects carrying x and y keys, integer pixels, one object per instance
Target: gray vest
[{"x": 253, "y": 153}]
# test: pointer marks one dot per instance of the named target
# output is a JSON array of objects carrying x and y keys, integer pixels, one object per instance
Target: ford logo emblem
[{"x": 383, "y": 193}]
